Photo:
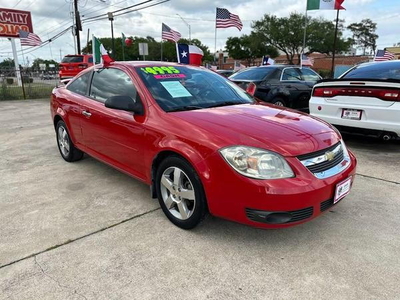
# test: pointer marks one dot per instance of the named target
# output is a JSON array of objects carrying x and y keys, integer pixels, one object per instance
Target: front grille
[
  {"x": 290, "y": 216},
  {"x": 326, "y": 165},
  {"x": 326, "y": 205},
  {"x": 318, "y": 161}
]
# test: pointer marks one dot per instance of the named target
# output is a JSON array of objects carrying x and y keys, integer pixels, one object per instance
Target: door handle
[{"x": 86, "y": 113}]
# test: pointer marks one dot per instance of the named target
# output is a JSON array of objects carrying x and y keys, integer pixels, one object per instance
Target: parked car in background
[
  {"x": 48, "y": 75},
  {"x": 225, "y": 73},
  {"x": 365, "y": 99},
  {"x": 71, "y": 65},
  {"x": 281, "y": 85},
  {"x": 203, "y": 144}
]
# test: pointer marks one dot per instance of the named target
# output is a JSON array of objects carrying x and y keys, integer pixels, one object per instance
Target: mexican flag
[
  {"x": 324, "y": 4},
  {"x": 100, "y": 55}
]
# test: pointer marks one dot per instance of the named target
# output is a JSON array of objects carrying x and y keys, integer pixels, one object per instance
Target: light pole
[
  {"x": 111, "y": 18},
  {"x": 188, "y": 25}
]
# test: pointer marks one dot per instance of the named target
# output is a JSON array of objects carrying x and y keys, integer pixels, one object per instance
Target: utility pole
[
  {"x": 188, "y": 25},
  {"x": 78, "y": 26},
  {"x": 111, "y": 18}
]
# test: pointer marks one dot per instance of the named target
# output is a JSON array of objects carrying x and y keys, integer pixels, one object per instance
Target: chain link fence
[{"x": 34, "y": 83}]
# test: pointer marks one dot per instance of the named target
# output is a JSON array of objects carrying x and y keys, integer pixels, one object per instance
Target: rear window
[
  {"x": 255, "y": 74},
  {"x": 390, "y": 70},
  {"x": 72, "y": 59}
]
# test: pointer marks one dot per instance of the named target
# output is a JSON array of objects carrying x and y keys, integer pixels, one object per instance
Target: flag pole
[
  {"x": 215, "y": 53},
  {"x": 177, "y": 53},
  {"x": 304, "y": 37},
  {"x": 123, "y": 46},
  {"x": 162, "y": 49},
  {"x": 334, "y": 45}
]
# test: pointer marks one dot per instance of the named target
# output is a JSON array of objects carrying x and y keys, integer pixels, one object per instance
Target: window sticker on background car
[
  {"x": 160, "y": 70},
  {"x": 176, "y": 89}
]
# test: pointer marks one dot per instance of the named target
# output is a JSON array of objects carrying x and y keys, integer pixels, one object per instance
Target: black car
[
  {"x": 281, "y": 85},
  {"x": 225, "y": 73}
]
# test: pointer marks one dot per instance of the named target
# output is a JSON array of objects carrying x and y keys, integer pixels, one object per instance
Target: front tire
[
  {"x": 180, "y": 193},
  {"x": 67, "y": 149}
]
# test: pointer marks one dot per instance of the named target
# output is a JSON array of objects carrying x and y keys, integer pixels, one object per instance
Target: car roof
[
  {"x": 273, "y": 67},
  {"x": 146, "y": 63},
  {"x": 374, "y": 63}
]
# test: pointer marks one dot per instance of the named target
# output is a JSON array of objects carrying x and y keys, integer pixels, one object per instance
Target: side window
[
  {"x": 310, "y": 75},
  {"x": 291, "y": 74},
  {"x": 90, "y": 60},
  {"x": 111, "y": 82},
  {"x": 80, "y": 84}
]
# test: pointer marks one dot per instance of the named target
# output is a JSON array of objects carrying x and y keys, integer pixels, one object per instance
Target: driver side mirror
[{"x": 125, "y": 103}]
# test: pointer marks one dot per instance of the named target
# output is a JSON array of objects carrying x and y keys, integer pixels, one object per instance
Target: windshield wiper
[
  {"x": 184, "y": 108},
  {"x": 226, "y": 103}
]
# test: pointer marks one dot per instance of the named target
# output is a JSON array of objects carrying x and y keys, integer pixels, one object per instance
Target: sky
[{"x": 53, "y": 16}]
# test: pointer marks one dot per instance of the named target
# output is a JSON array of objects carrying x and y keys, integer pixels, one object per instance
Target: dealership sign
[{"x": 12, "y": 21}]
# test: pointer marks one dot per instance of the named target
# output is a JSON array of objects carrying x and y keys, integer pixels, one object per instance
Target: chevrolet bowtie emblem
[{"x": 330, "y": 156}]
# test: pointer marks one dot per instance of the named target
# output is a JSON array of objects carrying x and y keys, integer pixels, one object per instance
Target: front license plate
[
  {"x": 342, "y": 190},
  {"x": 351, "y": 114}
]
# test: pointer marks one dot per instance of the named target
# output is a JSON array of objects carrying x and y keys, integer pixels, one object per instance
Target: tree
[
  {"x": 286, "y": 34},
  {"x": 249, "y": 47},
  {"x": 38, "y": 61},
  {"x": 364, "y": 35},
  {"x": 132, "y": 52},
  {"x": 322, "y": 34},
  {"x": 8, "y": 62}
]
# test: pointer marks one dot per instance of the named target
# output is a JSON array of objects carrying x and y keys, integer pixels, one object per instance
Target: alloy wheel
[
  {"x": 63, "y": 141},
  {"x": 178, "y": 193}
]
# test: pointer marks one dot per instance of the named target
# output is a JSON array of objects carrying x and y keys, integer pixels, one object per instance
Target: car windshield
[
  {"x": 181, "y": 88},
  {"x": 254, "y": 74},
  {"x": 72, "y": 59},
  {"x": 390, "y": 70}
]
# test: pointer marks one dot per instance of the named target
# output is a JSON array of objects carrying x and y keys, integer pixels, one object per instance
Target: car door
[
  {"x": 115, "y": 136},
  {"x": 291, "y": 81},
  {"x": 75, "y": 93}
]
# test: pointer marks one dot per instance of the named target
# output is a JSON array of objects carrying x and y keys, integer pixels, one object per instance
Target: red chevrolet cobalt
[{"x": 203, "y": 144}]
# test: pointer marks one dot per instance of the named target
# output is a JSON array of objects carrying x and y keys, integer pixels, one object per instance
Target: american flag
[
  {"x": 307, "y": 61},
  {"x": 383, "y": 55},
  {"x": 225, "y": 19},
  {"x": 29, "y": 39},
  {"x": 169, "y": 34}
]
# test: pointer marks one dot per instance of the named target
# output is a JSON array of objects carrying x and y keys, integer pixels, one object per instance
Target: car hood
[{"x": 284, "y": 131}]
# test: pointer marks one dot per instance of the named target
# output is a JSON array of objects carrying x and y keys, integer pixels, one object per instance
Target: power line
[
  {"x": 137, "y": 9},
  {"x": 128, "y": 7},
  {"x": 17, "y": 4}
]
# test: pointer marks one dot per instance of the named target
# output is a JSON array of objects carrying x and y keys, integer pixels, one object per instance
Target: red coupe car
[{"x": 203, "y": 144}]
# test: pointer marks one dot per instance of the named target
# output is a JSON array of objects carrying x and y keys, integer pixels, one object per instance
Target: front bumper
[{"x": 265, "y": 203}]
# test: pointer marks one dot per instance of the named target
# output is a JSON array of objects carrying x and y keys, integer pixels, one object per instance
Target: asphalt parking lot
[{"x": 86, "y": 231}]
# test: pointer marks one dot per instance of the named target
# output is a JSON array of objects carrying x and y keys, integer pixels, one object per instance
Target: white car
[{"x": 365, "y": 99}]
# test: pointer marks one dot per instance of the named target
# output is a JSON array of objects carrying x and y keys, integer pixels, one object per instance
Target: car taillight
[
  {"x": 384, "y": 94},
  {"x": 82, "y": 66},
  {"x": 251, "y": 88}
]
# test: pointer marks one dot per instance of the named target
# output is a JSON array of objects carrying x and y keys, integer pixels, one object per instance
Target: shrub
[
  {"x": 325, "y": 73},
  {"x": 10, "y": 80}
]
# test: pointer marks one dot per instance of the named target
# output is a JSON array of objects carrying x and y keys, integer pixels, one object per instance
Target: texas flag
[{"x": 189, "y": 54}]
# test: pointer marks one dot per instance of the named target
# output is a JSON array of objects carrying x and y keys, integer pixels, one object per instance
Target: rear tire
[
  {"x": 180, "y": 192},
  {"x": 278, "y": 102},
  {"x": 67, "y": 149}
]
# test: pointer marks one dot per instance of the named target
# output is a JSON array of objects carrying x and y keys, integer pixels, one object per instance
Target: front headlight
[{"x": 257, "y": 163}]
